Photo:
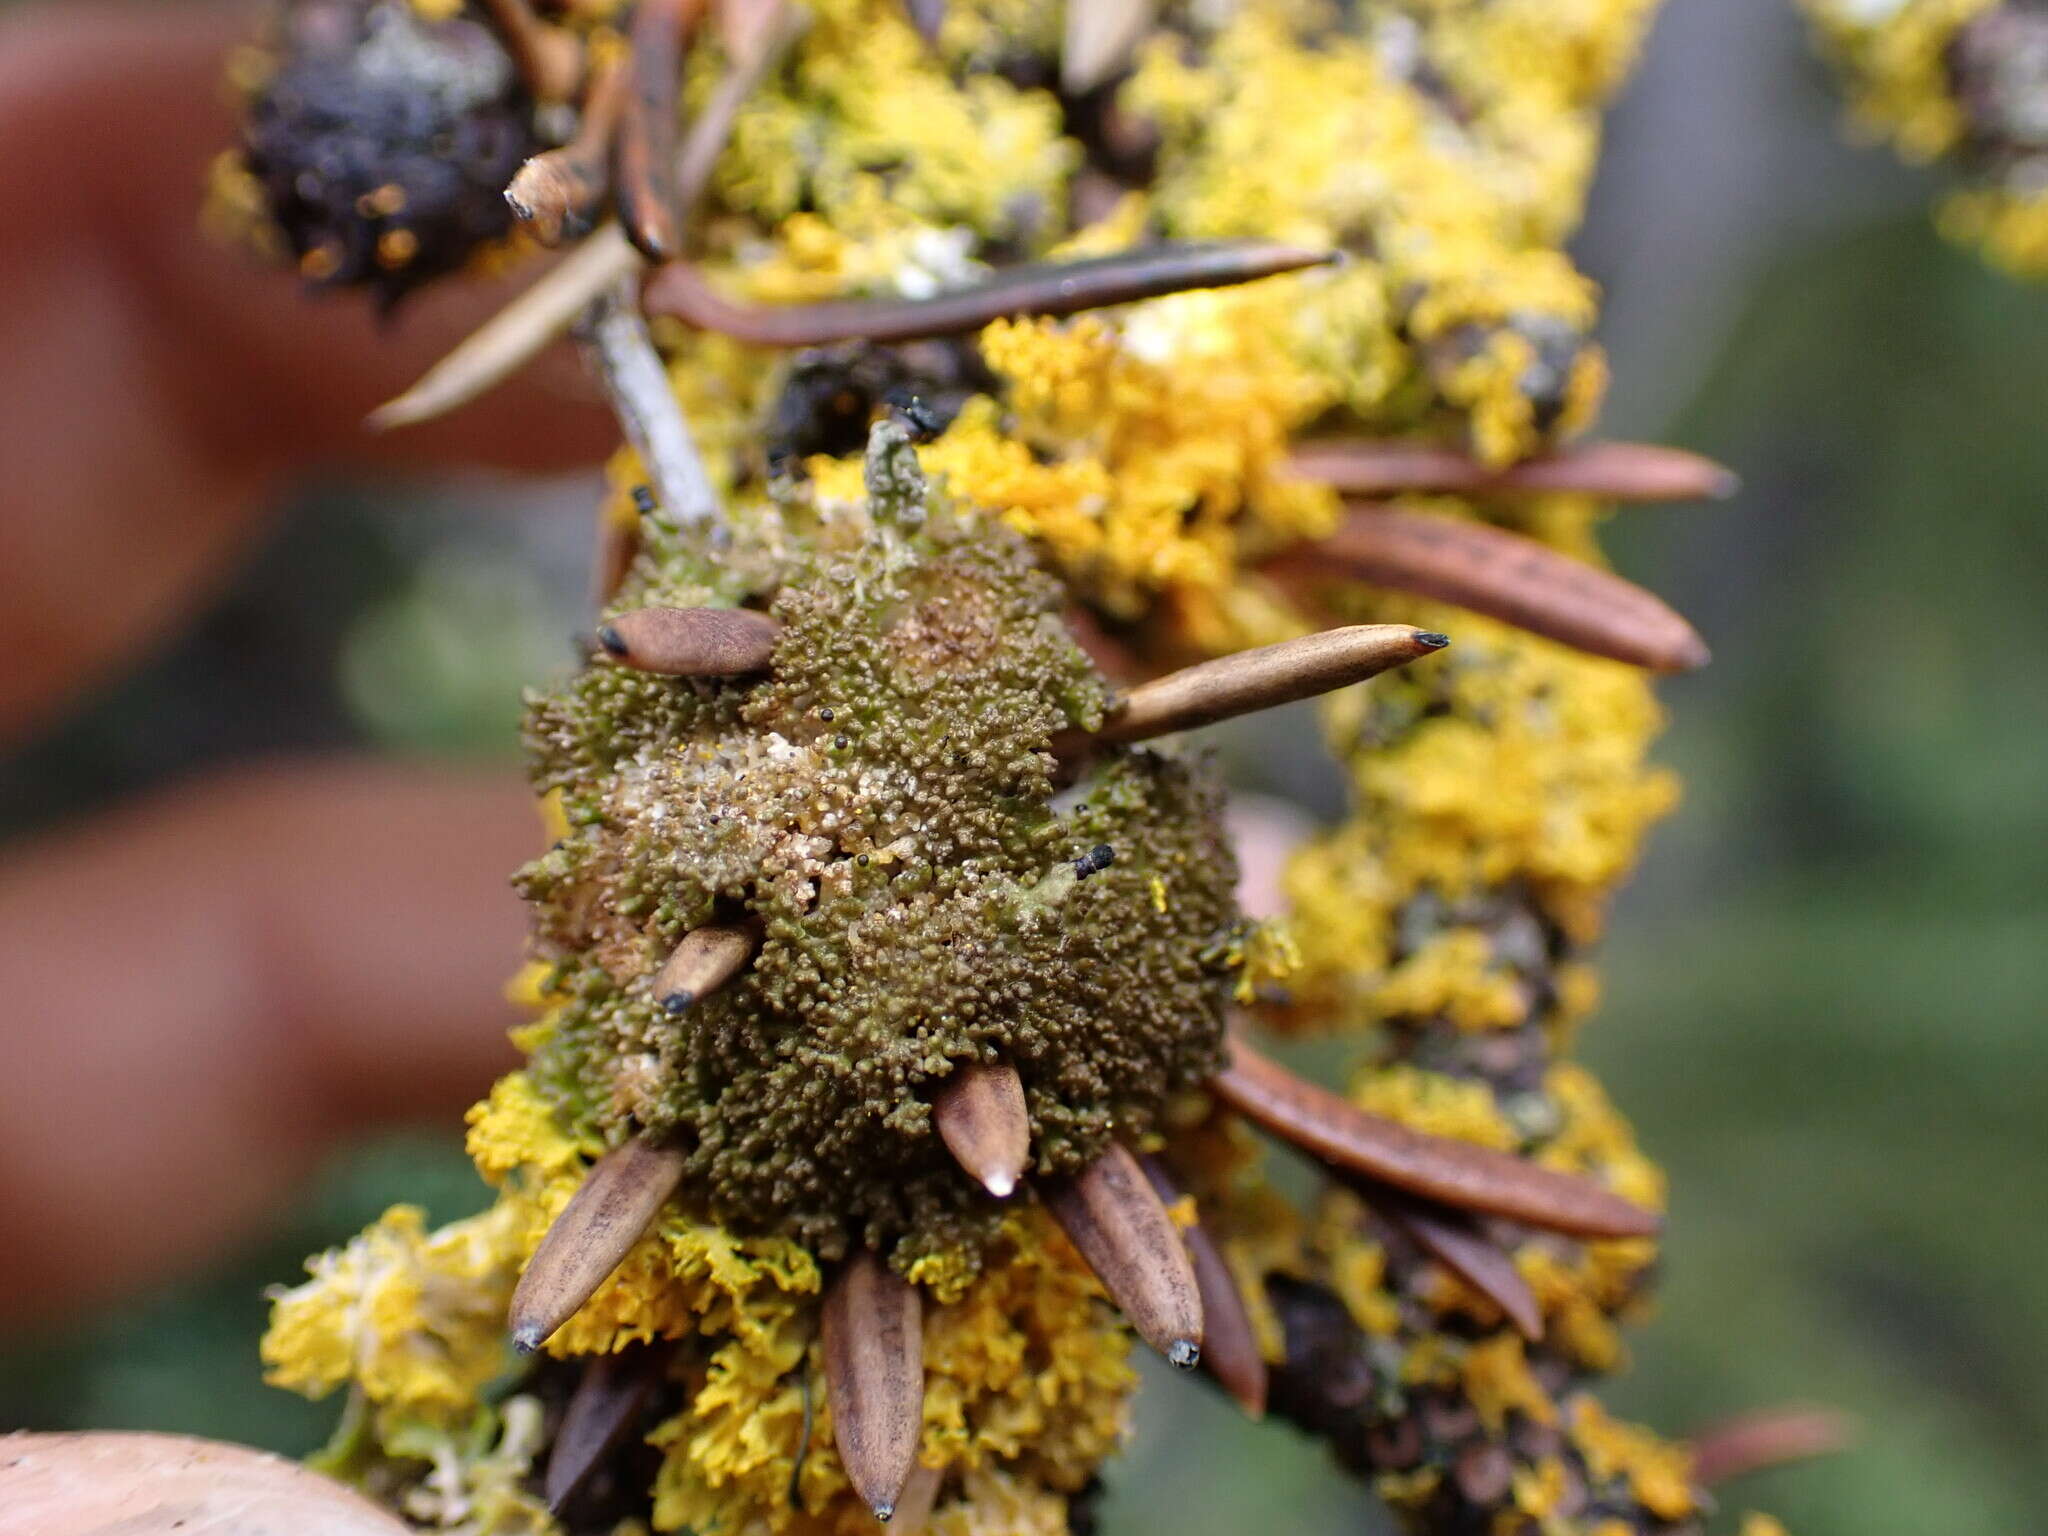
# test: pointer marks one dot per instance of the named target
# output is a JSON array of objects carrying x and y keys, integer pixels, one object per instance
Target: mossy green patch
[{"x": 884, "y": 808}]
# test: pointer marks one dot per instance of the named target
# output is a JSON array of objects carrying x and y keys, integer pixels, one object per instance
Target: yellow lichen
[
  {"x": 1592, "y": 1137},
  {"x": 1026, "y": 1378},
  {"x": 1434, "y": 1103},
  {"x": 1899, "y": 64},
  {"x": 1498, "y": 1381},
  {"x": 1895, "y": 62},
  {"x": 414, "y": 1319},
  {"x": 1657, "y": 1471},
  {"x": 1519, "y": 762},
  {"x": 861, "y": 93},
  {"x": 1538, "y": 1489},
  {"x": 2009, "y": 225},
  {"x": 1358, "y": 1274},
  {"x": 1453, "y": 976}
]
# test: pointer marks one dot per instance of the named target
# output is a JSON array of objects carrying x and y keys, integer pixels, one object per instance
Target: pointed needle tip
[
  {"x": 884, "y": 1511},
  {"x": 392, "y": 413},
  {"x": 1184, "y": 1354},
  {"x": 1436, "y": 640},
  {"x": 1001, "y": 1185},
  {"x": 1727, "y": 485},
  {"x": 526, "y": 1340}
]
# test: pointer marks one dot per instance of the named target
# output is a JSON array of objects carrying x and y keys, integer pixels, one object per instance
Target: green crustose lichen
[{"x": 882, "y": 804}]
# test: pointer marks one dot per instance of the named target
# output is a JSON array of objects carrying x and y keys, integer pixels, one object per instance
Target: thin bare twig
[{"x": 622, "y": 355}]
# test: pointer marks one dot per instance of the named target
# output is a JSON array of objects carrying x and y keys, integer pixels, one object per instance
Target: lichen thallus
[{"x": 732, "y": 661}]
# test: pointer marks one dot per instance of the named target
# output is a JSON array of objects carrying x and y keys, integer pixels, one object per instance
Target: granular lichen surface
[{"x": 883, "y": 809}]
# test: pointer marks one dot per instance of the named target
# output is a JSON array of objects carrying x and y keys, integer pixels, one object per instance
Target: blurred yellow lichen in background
[
  {"x": 1509, "y": 760},
  {"x": 1957, "y": 81}
]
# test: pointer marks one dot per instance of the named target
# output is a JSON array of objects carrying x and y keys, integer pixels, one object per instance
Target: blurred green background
[{"x": 1827, "y": 987}]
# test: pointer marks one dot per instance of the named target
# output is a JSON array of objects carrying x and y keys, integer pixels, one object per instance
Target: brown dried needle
[
  {"x": 981, "y": 1116},
  {"x": 1455, "y": 1173},
  {"x": 704, "y": 960},
  {"x": 1034, "y": 288},
  {"x": 1230, "y": 1350},
  {"x": 1507, "y": 577},
  {"x": 1611, "y": 471},
  {"x": 1249, "y": 681},
  {"x": 692, "y": 642},
  {"x": 1451, "y": 1238},
  {"x": 874, "y": 1377},
  {"x": 1111, "y": 1214},
  {"x": 1769, "y": 1437},
  {"x": 610, "y": 1394},
  {"x": 650, "y": 204},
  {"x": 617, "y": 1202}
]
